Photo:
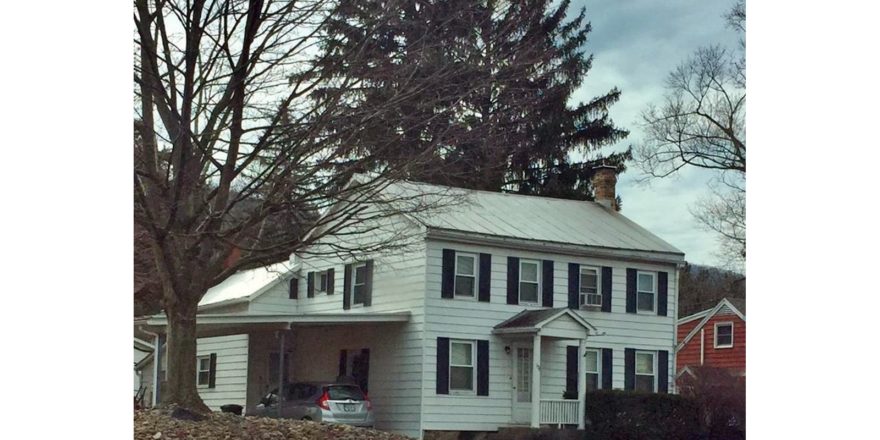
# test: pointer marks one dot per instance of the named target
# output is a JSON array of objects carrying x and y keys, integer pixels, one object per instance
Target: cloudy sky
[{"x": 636, "y": 43}]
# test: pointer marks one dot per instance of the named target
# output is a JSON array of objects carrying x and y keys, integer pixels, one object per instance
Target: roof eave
[{"x": 651, "y": 256}]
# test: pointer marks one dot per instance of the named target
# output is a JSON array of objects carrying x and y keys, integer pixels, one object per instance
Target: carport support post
[{"x": 280, "y": 372}]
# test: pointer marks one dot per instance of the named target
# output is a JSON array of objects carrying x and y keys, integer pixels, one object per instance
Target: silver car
[{"x": 320, "y": 402}]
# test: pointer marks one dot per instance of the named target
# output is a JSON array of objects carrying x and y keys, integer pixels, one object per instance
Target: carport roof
[{"x": 221, "y": 324}]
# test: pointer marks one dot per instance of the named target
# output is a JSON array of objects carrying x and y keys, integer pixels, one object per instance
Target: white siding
[
  {"x": 232, "y": 365},
  {"x": 474, "y": 320},
  {"x": 395, "y": 349}
]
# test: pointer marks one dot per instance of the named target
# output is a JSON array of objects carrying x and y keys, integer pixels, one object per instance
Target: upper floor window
[
  {"x": 589, "y": 290},
  {"x": 591, "y": 359},
  {"x": 359, "y": 286},
  {"x": 528, "y": 281},
  {"x": 646, "y": 292},
  {"x": 461, "y": 366},
  {"x": 723, "y": 335},
  {"x": 646, "y": 371},
  {"x": 323, "y": 281},
  {"x": 203, "y": 376},
  {"x": 465, "y": 275}
]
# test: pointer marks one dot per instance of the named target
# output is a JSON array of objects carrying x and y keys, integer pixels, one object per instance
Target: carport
[{"x": 211, "y": 325}]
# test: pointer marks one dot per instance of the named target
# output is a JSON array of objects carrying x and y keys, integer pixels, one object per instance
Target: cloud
[{"x": 635, "y": 44}]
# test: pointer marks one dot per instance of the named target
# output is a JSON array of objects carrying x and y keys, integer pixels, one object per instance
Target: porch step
[{"x": 526, "y": 433}]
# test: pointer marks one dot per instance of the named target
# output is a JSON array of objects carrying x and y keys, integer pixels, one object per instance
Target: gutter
[{"x": 556, "y": 247}]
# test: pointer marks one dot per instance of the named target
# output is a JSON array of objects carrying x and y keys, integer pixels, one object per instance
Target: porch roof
[
  {"x": 221, "y": 324},
  {"x": 533, "y": 321}
]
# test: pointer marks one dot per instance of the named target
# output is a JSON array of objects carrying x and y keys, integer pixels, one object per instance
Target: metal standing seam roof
[{"x": 533, "y": 218}]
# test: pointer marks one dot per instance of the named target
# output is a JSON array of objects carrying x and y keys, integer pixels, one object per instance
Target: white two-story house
[{"x": 504, "y": 312}]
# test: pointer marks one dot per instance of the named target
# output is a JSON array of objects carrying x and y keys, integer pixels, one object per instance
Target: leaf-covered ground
[{"x": 157, "y": 424}]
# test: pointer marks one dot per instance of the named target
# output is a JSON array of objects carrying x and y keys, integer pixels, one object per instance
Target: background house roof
[{"x": 532, "y": 218}]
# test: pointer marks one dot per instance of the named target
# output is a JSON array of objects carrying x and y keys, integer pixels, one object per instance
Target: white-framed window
[
  {"x": 465, "y": 275},
  {"x": 323, "y": 281},
  {"x": 203, "y": 376},
  {"x": 529, "y": 281},
  {"x": 593, "y": 366},
  {"x": 646, "y": 371},
  {"x": 461, "y": 366},
  {"x": 589, "y": 287},
  {"x": 359, "y": 284},
  {"x": 723, "y": 335},
  {"x": 646, "y": 291}
]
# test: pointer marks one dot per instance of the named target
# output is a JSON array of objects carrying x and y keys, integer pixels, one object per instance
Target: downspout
[{"x": 702, "y": 345}]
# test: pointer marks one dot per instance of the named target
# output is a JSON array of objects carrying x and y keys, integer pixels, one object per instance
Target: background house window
[
  {"x": 591, "y": 358},
  {"x": 645, "y": 371},
  {"x": 646, "y": 291},
  {"x": 528, "y": 281},
  {"x": 465, "y": 275},
  {"x": 461, "y": 365},
  {"x": 204, "y": 373},
  {"x": 359, "y": 285},
  {"x": 589, "y": 289},
  {"x": 724, "y": 335},
  {"x": 323, "y": 281}
]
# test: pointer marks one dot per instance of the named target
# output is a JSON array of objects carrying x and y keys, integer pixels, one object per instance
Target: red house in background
[{"x": 713, "y": 338}]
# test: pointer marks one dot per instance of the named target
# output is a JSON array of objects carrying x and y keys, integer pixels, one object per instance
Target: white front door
[{"x": 522, "y": 384}]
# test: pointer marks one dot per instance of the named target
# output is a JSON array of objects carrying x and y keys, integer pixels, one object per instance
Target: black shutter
[
  {"x": 662, "y": 292},
  {"x": 310, "y": 285},
  {"x": 606, "y": 289},
  {"x": 663, "y": 371},
  {"x": 630, "y": 291},
  {"x": 571, "y": 369},
  {"x": 629, "y": 369},
  {"x": 547, "y": 283},
  {"x": 442, "y": 365},
  {"x": 574, "y": 274},
  {"x": 343, "y": 361},
  {"x": 512, "y": 280},
  {"x": 447, "y": 283},
  {"x": 364, "y": 380},
  {"x": 368, "y": 286},
  {"x": 346, "y": 288},
  {"x": 293, "y": 288},
  {"x": 331, "y": 280},
  {"x": 485, "y": 277},
  {"x": 607, "y": 368},
  {"x": 482, "y": 368},
  {"x": 212, "y": 372}
]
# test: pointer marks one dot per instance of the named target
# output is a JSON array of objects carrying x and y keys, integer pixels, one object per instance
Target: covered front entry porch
[{"x": 531, "y": 335}]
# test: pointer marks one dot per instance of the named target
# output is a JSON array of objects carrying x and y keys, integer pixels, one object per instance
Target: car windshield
[{"x": 344, "y": 392}]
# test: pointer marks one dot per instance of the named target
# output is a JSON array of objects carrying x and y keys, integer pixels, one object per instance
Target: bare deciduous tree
[
  {"x": 241, "y": 153},
  {"x": 701, "y": 123}
]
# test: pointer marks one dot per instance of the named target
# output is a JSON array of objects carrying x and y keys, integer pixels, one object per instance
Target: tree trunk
[{"x": 181, "y": 373}]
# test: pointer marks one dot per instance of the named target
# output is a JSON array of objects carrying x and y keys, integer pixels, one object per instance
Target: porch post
[
  {"x": 280, "y": 372},
  {"x": 582, "y": 382},
  {"x": 536, "y": 380}
]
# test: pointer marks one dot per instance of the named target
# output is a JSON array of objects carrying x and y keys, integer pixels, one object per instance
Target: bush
[
  {"x": 627, "y": 415},
  {"x": 721, "y": 400}
]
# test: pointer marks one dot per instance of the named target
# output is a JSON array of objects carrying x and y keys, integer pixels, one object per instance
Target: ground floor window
[
  {"x": 646, "y": 371},
  {"x": 204, "y": 372},
  {"x": 461, "y": 366},
  {"x": 591, "y": 358}
]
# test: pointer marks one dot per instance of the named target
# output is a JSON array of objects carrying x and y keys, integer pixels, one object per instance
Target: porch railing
[{"x": 558, "y": 412}]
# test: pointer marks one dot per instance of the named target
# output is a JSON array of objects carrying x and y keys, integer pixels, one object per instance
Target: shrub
[
  {"x": 628, "y": 415},
  {"x": 721, "y": 400}
]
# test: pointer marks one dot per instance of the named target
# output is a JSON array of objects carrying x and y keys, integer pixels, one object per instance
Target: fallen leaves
[{"x": 156, "y": 424}]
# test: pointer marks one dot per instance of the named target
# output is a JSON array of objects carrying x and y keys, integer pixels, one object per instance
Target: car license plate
[{"x": 348, "y": 407}]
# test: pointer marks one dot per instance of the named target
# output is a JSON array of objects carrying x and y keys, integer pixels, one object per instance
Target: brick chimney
[{"x": 604, "y": 182}]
